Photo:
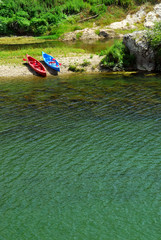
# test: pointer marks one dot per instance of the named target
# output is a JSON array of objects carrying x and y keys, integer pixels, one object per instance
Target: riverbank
[{"x": 79, "y": 63}]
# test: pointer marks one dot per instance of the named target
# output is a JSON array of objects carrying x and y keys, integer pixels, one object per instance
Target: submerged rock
[{"x": 137, "y": 44}]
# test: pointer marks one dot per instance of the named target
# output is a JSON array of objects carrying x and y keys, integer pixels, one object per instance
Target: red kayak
[{"x": 36, "y": 65}]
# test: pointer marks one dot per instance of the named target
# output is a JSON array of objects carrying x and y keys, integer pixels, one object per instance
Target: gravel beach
[{"x": 85, "y": 63}]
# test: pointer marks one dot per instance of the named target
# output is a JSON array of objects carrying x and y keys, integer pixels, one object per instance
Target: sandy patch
[{"x": 77, "y": 61}]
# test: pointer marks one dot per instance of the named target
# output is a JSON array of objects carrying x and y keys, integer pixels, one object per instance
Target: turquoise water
[{"x": 80, "y": 158}]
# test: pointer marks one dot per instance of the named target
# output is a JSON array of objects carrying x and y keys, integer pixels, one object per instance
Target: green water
[
  {"x": 80, "y": 158},
  {"x": 91, "y": 47}
]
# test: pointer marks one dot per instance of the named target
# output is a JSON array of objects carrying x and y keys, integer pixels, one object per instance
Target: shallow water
[
  {"x": 80, "y": 157},
  {"x": 91, "y": 47}
]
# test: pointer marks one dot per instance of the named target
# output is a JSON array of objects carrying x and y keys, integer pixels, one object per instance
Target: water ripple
[{"x": 80, "y": 161}]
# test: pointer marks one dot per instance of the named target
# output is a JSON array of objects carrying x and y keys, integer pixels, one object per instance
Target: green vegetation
[
  {"x": 154, "y": 39},
  {"x": 74, "y": 68},
  {"x": 55, "y": 17},
  {"x": 117, "y": 57},
  {"x": 97, "y": 31},
  {"x": 85, "y": 63},
  {"x": 78, "y": 35},
  {"x": 154, "y": 36}
]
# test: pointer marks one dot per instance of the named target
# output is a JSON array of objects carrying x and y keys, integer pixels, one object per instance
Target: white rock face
[
  {"x": 153, "y": 16},
  {"x": 148, "y": 19},
  {"x": 138, "y": 46},
  {"x": 130, "y": 20}
]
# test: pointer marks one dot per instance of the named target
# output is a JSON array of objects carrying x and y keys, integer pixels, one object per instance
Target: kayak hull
[
  {"x": 51, "y": 62},
  {"x": 36, "y": 65}
]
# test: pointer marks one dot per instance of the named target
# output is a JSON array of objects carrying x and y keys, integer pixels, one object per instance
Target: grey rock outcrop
[
  {"x": 90, "y": 34},
  {"x": 137, "y": 44}
]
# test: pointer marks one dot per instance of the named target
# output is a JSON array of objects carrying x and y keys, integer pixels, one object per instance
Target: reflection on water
[
  {"x": 80, "y": 157},
  {"x": 91, "y": 47}
]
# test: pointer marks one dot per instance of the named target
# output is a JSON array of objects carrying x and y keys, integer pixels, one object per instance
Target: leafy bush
[
  {"x": 108, "y": 2},
  {"x": 98, "y": 9},
  {"x": 54, "y": 16},
  {"x": 18, "y": 25},
  {"x": 124, "y": 3},
  {"x": 85, "y": 63},
  {"x": 154, "y": 39},
  {"x": 38, "y": 26},
  {"x": 78, "y": 35},
  {"x": 3, "y": 26},
  {"x": 50, "y": 18},
  {"x": 22, "y": 14},
  {"x": 6, "y": 10},
  {"x": 117, "y": 57},
  {"x": 97, "y": 31},
  {"x": 154, "y": 35},
  {"x": 73, "y": 7},
  {"x": 74, "y": 68}
]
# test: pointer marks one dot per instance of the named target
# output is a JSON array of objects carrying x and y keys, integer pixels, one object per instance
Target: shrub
[
  {"x": 6, "y": 10},
  {"x": 3, "y": 26},
  {"x": 117, "y": 57},
  {"x": 74, "y": 68},
  {"x": 154, "y": 39},
  {"x": 125, "y": 3},
  {"x": 154, "y": 35},
  {"x": 22, "y": 14},
  {"x": 98, "y": 9},
  {"x": 97, "y": 31},
  {"x": 71, "y": 20},
  {"x": 50, "y": 18},
  {"x": 38, "y": 26},
  {"x": 78, "y": 35},
  {"x": 73, "y": 7},
  {"x": 107, "y": 2},
  {"x": 54, "y": 16},
  {"x": 18, "y": 25},
  {"x": 85, "y": 63}
]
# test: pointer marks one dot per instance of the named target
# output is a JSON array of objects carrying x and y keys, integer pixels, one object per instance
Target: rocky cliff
[{"x": 137, "y": 44}]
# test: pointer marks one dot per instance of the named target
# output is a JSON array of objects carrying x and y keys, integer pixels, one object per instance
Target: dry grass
[{"x": 19, "y": 40}]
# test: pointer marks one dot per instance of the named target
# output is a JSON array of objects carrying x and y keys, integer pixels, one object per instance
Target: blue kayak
[{"x": 51, "y": 62}]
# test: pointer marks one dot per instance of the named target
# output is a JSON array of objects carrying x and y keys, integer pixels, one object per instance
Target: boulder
[
  {"x": 137, "y": 44},
  {"x": 90, "y": 34}
]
